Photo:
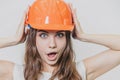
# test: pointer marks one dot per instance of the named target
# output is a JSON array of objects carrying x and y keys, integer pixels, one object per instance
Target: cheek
[
  {"x": 61, "y": 43},
  {"x": 41, "y": 45}
]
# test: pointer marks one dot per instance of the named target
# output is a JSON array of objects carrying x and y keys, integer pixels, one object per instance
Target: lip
[
  {"x": 51, "y": 52},
  {"x": 52, "y": 56}
]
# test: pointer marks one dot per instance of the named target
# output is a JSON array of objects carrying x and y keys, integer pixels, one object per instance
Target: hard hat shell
[{"x": 50, "y": 15}]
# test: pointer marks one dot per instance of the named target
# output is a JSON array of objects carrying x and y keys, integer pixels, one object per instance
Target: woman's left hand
[{"x": 77, "y": 31}]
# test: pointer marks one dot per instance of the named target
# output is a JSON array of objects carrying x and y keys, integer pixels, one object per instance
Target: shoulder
[
  {"x": 81, "y": 69},
  {"x": 11, "y": 70},
  {"x": 80, "y": 66},
  {"x": 18, "y": 72},
  {"x": 6, "y": 67}
]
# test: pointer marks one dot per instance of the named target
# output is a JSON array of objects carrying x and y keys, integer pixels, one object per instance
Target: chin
[{"x": 51, "y": 63}]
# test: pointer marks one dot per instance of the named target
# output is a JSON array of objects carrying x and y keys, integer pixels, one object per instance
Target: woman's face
[{"x": 50, "y": 45}]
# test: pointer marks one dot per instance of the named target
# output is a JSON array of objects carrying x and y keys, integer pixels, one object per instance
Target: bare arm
[
  {"x": 106, "y": 60},
  {"x": 4, "y": 42},
  {"x": 19, "y": 37},
  {"x": 6, "y": 70}
]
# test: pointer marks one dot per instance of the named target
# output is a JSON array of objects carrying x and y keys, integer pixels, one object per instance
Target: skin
[
  {"x": 20, "y": 35},
  {"x": 104, "y": 61},
  {"x": 48, "y": 42},
  {"x": 95, "y": 65}
]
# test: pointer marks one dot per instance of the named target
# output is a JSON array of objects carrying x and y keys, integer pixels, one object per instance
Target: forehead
[{"x": 51, "y": 31}]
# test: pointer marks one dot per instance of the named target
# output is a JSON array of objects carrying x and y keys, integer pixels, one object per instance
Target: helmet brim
[{"x": 52, "y": 27}]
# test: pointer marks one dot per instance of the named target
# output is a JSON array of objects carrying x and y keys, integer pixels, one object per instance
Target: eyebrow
[
  {"x": 42, "y": 31},
  {"x": 48, "y": 32},
  {"x": 60, "y": 31}
]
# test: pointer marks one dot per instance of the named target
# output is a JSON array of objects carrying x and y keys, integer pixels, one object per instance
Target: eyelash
[
  {"x": 43, "y": 35},
  {"x": 59, "y": 35}
]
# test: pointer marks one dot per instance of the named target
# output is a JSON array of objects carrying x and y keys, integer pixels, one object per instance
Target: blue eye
[
  {"x": 60, "y": 35},
  {"x": 43, "y": 35}
]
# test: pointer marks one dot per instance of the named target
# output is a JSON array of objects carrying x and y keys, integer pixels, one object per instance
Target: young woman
[{"x": 49, "y": 54}]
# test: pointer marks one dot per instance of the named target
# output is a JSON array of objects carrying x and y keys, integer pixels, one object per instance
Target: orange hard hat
[{"x": 50, "y": 15}]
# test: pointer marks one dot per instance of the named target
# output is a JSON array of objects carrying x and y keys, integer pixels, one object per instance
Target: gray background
[{"x": 96, "y": 16}]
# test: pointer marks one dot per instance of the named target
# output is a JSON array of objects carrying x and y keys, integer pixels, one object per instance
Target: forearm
[
  {"x": 110, "y": 41},
  {"x": 10, "y": 41},
  {"x": 20, "y": 35}
]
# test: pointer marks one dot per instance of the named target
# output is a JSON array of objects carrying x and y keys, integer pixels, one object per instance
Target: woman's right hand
[
  {"x": 22, "y": 30},
  {"x": 20, "y": 35}
]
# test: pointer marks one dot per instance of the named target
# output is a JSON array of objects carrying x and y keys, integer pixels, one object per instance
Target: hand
[
  {"x": 77, "y": 31},
  {"x": 22, "y": 31}
]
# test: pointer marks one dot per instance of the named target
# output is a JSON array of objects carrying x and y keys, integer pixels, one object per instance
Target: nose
[{"x": 52, "y": 43}]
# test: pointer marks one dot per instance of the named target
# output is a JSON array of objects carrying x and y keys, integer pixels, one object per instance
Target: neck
[{"x": 48, "y": 68}]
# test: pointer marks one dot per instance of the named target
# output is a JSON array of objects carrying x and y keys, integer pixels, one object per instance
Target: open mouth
[{"x": 52, "y": 56}]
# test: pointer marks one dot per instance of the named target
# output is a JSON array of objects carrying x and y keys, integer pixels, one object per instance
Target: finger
[
  {"x": 23, "y": 20},
  {"x": 27, "y": 29},
  {"x": 26, "y": 15},
  {"x": 73, "y": 11},
  {"x": 21, "y": 26}
]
